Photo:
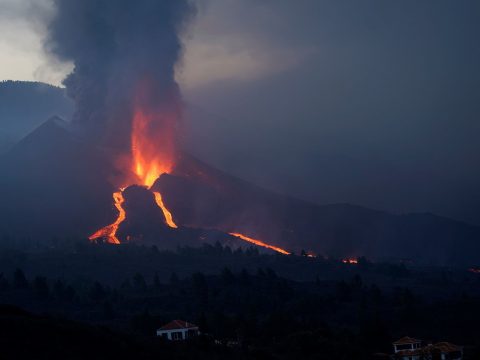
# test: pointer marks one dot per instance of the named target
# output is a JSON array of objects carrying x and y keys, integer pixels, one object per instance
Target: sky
[{"x": 369, "y": 102}]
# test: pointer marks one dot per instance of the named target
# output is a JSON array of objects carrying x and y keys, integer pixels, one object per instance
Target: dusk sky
[{"x": 368, "y": 102}]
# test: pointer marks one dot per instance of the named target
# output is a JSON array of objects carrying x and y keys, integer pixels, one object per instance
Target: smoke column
[{"x": 124, "y": 53}]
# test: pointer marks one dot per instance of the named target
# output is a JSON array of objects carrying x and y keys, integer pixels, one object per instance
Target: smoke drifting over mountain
[{"x": 124, "y": 53}]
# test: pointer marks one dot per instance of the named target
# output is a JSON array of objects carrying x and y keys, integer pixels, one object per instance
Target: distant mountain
[
  {"x": 199, "y": 195},
  {"x": 25, "y": 105},
  {"x": 53, "y": 184}
]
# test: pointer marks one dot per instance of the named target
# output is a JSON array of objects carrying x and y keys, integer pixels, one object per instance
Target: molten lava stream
[
  {"x": 260, "y": 243},
  {"x": 109, "y": 232},
  {"x": 166, "y": 212}
]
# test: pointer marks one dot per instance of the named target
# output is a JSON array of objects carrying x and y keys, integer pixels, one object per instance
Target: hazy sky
[{"x": 374, "y": 102}]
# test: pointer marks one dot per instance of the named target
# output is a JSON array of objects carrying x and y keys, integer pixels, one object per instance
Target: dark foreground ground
[{"x": 105, "y": 302}]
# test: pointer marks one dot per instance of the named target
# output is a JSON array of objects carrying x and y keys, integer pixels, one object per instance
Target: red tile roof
[
  {"x": 178, "y": 324},
  {"x": 406, "y": 340},
  {"x": 446, "y": 347}
]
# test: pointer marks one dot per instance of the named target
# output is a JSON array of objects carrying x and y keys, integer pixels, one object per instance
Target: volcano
[{"x": 56, "y": 185}]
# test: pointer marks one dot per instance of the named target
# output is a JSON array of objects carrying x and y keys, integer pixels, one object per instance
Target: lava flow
[
  {"x": 166, "y": 213},
  {"x": 152, "y": 154},
  {"x": 260, "y": 243},
  {"x": 109, "y": 232},
  {"x": 150, "y": 162}
]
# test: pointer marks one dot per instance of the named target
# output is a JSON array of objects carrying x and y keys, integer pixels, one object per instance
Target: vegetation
[{"x": 247, "y": 304}]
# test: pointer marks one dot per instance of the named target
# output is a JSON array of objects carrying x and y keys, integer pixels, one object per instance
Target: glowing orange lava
[
  {"x": 351, "y": 261},
  {"x": 260, "y": 243},
  {"x": 152, "y": 152},
  {"x": 109, "y": 232},
  {"x": 166, "y": 212}
]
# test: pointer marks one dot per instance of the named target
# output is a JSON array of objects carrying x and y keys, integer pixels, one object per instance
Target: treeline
[{"x": 255, "y": 311}]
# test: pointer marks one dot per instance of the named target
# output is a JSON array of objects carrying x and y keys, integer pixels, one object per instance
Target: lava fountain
[{"x": 152, "y": 154}]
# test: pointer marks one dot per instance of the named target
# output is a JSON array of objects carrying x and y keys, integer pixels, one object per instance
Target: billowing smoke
[{"x": 124, "y": 53}]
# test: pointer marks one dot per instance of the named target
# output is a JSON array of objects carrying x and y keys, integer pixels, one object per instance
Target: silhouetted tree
[
  {"x": 97, "y": 292},
  {"x": 40, "y": 286},
  {"x": 139, "y": 282},
  {"x": 174, "y": 279},
  {"x": 19, "y": 279},
  {"x": 156, "y": 282},
  {"x": 227, "y": 276},
  {"x": 4, "y": 285}
]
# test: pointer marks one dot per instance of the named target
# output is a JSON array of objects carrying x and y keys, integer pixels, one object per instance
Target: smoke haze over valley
[{"x": 240, "y": 179}]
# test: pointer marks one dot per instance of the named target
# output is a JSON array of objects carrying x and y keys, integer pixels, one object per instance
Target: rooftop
[
  {"x": 178, "y": 324},
  {"x": 406, "y": 340}
]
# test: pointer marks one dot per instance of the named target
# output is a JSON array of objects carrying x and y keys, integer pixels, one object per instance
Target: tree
[
  {"x": 19, "y": 279},
  {"x": 156, "y": 281},
  {"x": 97, "y": 292},
  {"x": 174, "y": 279},
  {"x": 227, "y": 276},
  {"x": 4, "y": 285},
  {"x": 40, "y": 286},
  {"x": 139, "y": 282}
]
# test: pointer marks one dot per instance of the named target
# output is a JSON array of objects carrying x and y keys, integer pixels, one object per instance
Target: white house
[
  {"x": 178, "y": 330},
  {"x": 408, "y": 348}
]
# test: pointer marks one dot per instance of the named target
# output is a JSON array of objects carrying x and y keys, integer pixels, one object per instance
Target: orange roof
[
  {"x": 446, "y": 347},
  {"x": 178, "y": 324},
  {"x": 406, "y": 340}
]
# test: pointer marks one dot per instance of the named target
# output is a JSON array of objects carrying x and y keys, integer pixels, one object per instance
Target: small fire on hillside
[{"x": 350, "y": 261}]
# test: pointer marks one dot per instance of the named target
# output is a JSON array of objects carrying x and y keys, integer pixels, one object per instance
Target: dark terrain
[
  {"x": 57, "y": 184},
  {"x": 106, "y": 301},
  {"x": 69, "y": 298}
]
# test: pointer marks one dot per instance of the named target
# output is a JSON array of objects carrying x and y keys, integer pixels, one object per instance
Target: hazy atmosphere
[
  {"x": 240, "y": 179},
  {"x": 374, "y": 103}
]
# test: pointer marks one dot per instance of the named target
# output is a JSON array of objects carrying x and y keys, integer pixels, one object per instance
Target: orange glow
[
  {"x": 153, "y": 152},
  {"x": 109, "y": 232},
  {"x": 260, "y": 243},
  {"x": 166, "y": 212},
  {"x": 351, "y": 261},
  {"x": 152, "y": 148}
]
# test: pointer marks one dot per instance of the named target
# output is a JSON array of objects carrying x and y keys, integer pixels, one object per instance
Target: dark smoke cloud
[{"x": 117, "y": 46}]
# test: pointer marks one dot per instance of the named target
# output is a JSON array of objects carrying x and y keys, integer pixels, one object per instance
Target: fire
[
  {"x": 152, "y": 152},
  {"x": 260, "y": 243},
  {"x": 109, "y": 232},
  {"x": 166, "y": 212},
  {"x": 351, "y": 261}
]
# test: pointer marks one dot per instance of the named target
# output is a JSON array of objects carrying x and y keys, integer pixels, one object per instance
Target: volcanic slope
[{"x": 54, "y": 184}]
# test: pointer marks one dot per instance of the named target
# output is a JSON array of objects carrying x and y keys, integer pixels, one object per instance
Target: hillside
[{"x": 25, "y": 105}]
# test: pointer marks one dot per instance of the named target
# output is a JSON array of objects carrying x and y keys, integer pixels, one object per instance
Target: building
[
  {"x": 408, "y": 348},
  {"x": 178, "y": 330}
]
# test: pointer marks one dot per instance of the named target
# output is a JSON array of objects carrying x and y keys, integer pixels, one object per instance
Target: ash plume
[{"x": 123, "y": 52}]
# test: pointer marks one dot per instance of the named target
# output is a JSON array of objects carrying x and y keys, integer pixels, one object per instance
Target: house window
[{"x": 177, "y": 335}]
